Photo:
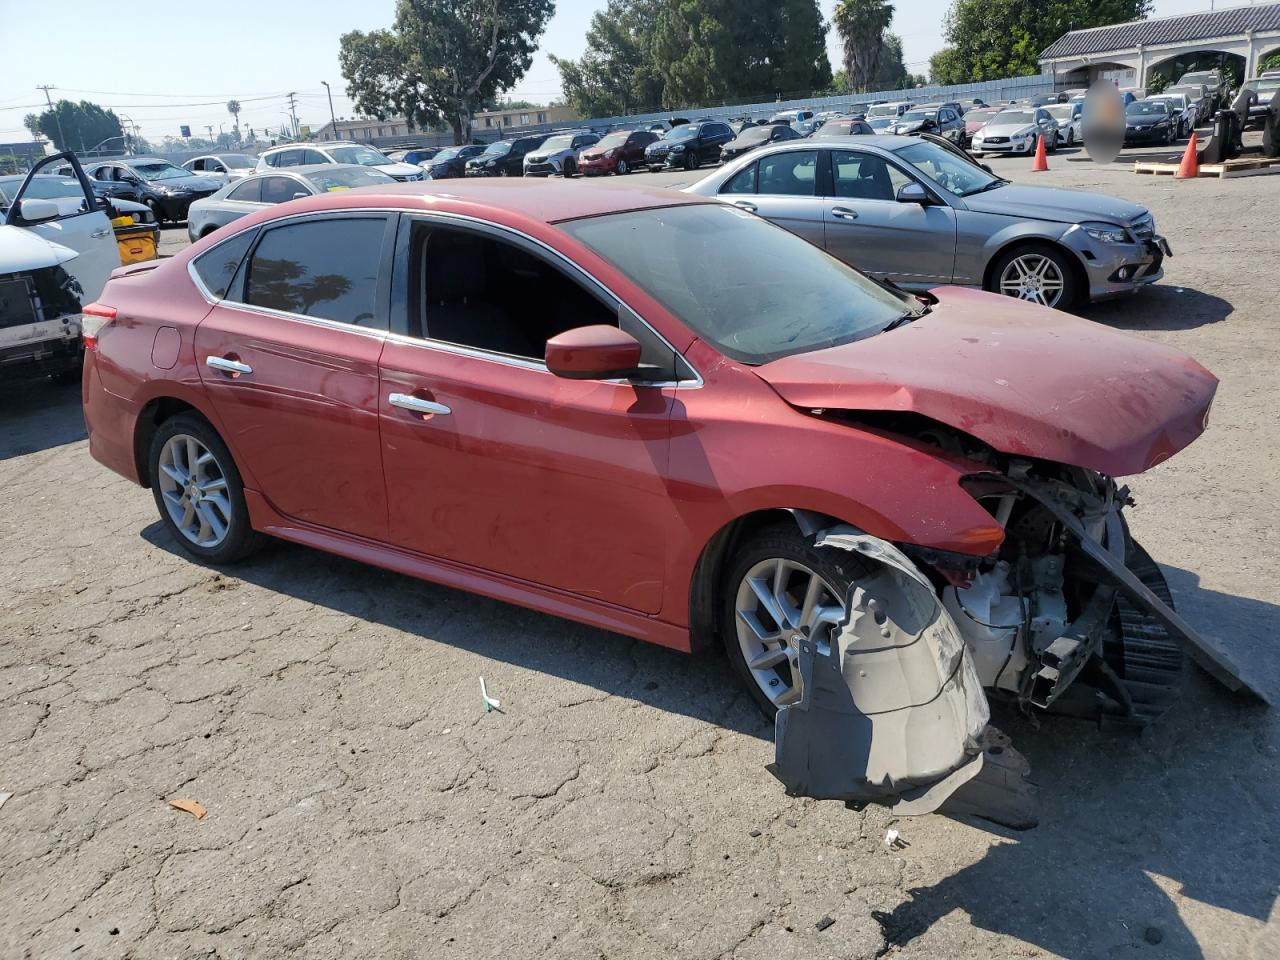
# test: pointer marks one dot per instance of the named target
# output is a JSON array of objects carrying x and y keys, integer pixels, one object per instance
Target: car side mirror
[
  {"x": 913, "y": 193},
  {"x": 35, "y": 210},
  {"x": 987, "y": 167},
  {"x": 598, "y": 352},
  {"x": 928, "y": 125}
]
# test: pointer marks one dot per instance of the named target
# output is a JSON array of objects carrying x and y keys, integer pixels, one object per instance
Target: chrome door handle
[
  {"x": 844, "y": 213},
  {"x": 99, "y": 234},
  {"x": 746, "y": 205},
  {"x": 406, "y": 401},
  {"x": 227, "y": 366}
]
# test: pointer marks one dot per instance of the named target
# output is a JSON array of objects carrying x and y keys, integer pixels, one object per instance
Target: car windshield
[
  {"x": 497, "y": 149},
  {"x": 879, "y": 123},
  {"x": 238, "y": 161},
  {"x": 1063, "y": 111},
  {"x": 979, "y": 116},
  {"x": 684, "y": 132},
  {"x": 159, "y": 170},
  {"x": 1192, "y": 93},
  {"x": 1013, "y": 118},
  {"x": 447, "y": 154},
  {"x": 1174, "y": 99},
  {"x": 914, "y": 115},
  {"x": 751, "y": 289},
  {"x": 1206, "y": 77},
  {"x": 333, "y": 178},
  {"x": 1262, "y": 87},
  {"x": 1145, "y": 108},
  {"x": 883, "y": 110},
  {"x": 949, "y": 169},
  {"x": 614, "y": 140},
  {"x": 365, "y": 156},
  {"x": 755, "y": 134},
  {"x": 553, "y": 144}
]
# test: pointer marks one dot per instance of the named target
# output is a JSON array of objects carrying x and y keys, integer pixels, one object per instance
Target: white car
[
  {"x": 56, "y": 254},
  {"x": 227, "y": 166},
  {"x": 305, "y": 154},
  {"x": 558, "y": 154},
  {"x": 1068, "y": 117},
  {"x": 1016, "y": 130}
]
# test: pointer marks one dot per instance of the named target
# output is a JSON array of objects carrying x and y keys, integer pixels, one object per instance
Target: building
[
  {"x": 1130, "y": 53},
  {"x": 19, "y": 157},
  {"x": 492, "y": 121},
  {"x": 368, "y": 129}
]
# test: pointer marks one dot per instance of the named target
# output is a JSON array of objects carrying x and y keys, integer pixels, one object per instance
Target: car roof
[
  {"x": 303, "y": 169},
  {"x": 496, "y": 200}
]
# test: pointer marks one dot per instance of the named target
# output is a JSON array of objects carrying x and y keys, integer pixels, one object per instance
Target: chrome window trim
[{"x": 427, "y": 342}]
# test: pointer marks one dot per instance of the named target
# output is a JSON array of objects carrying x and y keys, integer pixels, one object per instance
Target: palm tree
[
  {"x": 32, "y": 123},
  {"x": 862, "y": 25},
  {"x": 233, "y": 108}
]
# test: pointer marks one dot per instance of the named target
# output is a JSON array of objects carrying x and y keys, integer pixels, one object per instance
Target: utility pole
[
  {"x": 57, "y": 119},
  {"x": 332, "y": 119},
  {"x": 293, "y": 112}
]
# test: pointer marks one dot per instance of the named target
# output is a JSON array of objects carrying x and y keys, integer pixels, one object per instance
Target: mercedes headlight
[
  {"x": 678, "y": 148},
  {"x": 1106, "y": 232}
]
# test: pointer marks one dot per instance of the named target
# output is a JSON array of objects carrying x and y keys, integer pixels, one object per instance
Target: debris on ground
[
  {"x": 893, "y": 840},
  {"x": 4, "y": 798},
  {"x": 192, "y": 807},
  {"x": 489, "y": 702},
  {"x": 824, "y": 923}
]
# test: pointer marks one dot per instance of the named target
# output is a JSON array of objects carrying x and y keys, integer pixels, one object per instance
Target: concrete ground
[{"x": 361, "y": 803}]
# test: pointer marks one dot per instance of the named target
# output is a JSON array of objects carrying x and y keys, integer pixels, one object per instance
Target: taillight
[{"x": 92, "y": 319}]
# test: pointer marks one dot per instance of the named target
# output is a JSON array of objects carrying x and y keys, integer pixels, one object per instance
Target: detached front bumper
[{"x": 1114, "y": 269}]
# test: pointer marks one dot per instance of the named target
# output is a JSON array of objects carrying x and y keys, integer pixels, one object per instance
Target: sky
[{"x": 256, "y": 51}]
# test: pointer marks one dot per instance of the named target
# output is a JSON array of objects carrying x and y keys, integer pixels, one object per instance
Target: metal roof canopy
[{"x": 1232, "y": 22}]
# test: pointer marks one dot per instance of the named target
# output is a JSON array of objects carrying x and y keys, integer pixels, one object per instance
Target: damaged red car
[{"x": 667, "y": 417}]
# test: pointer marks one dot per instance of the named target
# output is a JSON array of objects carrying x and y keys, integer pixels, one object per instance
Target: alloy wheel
[
  {"x": 778, "y": 604},
  {"x": 1033, "y": 277},
  {"x": 193, "y": 487},
  {"x": 622, "y": 167}
]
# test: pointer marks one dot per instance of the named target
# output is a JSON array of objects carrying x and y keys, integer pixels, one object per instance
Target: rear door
[
  {"x": 289, "y": 358},
  {"x": 82, "y": 226},
  {"x": 868, "y": 228}
]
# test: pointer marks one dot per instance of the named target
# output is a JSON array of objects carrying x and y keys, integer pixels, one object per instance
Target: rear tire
[
  {"x": 756, "y": 556},
  {"x": 198, "y": 491}
]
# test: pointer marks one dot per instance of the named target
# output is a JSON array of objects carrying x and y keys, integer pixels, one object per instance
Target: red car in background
[
  {"x": 618, "y": 152},
  {"x": 666, "y": 417}
]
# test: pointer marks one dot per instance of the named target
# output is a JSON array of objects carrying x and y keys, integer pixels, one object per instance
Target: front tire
[
  {"x": 1038, "y": 273},
  {"x": 198, "y": 491},
  {"x": 779, "y": 586},
  {"x": 621, "y": 169},
  {"x": 158, "y": 212}
]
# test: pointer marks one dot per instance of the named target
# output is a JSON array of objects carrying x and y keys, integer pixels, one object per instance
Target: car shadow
[
  {"x": 37, "y": 414},
  {"x": 1161, "y": 306}
]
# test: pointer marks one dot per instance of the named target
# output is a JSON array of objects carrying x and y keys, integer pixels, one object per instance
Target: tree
[
  {"x": 233, "y": 108},
  {"x": 32, "y": 123},
  {"x": 863, "y": 25},
  {"x": 83, "y": 124},
  {"x": 643, "y": 55},
  {"x": 442, "y": 59},
  {"x": 995, "y": 39},
  {"x": 1269, "y": 62}
]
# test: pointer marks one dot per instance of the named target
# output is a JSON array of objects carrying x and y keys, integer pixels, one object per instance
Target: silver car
[
  {"x": 920, "y": 213},
  {"x": 1015, "y": 130},
  {"x": 1068, "y": 117},
  {"x": 243, "y": 197},
  {"x": 228, "y": 166},
  {"x": 305, "y": 155},
  {"x": 558, "y": 154}
]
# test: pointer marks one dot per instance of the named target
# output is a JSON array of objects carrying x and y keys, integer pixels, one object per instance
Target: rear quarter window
[{"x": 216, "y": 268}]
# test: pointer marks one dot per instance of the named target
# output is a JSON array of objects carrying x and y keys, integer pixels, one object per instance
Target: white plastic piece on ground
[
  {"x": 4, "y": 797},
  {"x": 895, "y": 713},
  {"x": 489, "y": 702}
]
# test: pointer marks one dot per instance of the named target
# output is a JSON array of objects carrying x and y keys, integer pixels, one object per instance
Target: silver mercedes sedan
[
  {"x": 242, "y": 197},
  {"x": 920, "y": 212}
]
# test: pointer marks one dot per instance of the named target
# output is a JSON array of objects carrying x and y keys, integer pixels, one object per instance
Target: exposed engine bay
[{"x": 1069, "y": 615}]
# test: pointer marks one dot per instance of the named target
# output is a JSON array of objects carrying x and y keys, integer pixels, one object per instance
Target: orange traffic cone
[
  {"x": 1189, "y": 168},
  {"x": 1041, "y": 164}
]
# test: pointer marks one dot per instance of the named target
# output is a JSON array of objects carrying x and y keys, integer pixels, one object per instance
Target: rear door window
[
  {"x": 326, "y": 268},
  {"x": 217, "y": 268},
  {"x": 248, "y": 192},
  {"x": 791, "y": 174}
]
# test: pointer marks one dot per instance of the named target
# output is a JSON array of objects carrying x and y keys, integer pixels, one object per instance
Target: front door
[
  {"x": 81, "y": 225},
  {"x": 494, "y": 462},
  {"x": 290, "y": 361},
  {"x": 911, "y": 244}
]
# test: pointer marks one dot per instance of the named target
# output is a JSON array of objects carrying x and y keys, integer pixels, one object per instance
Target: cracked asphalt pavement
[{"x": 361, "y": 802}]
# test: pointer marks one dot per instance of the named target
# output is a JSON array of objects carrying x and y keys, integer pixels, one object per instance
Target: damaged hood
[
  {"x": 1026, "y": 380},
  {"x": 22, "y": 249},
  {"x": 1056, "y": 204}
]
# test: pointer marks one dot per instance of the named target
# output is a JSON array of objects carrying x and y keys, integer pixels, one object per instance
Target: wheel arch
[
  {"x": 709, "y": 570},
  {"x": 166, "y": 405},
  {"x": 1073, "y": 258}
]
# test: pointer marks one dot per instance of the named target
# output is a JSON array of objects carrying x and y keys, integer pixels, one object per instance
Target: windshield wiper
[
  {"x": 990, "y": 186},
  {"x": 902, "y": 321}
]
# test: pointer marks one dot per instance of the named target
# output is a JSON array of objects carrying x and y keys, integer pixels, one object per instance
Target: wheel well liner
[{"x": 156, "y": 412}]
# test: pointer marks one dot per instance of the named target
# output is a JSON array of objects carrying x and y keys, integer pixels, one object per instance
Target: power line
[{"x": 62, "y": 139}]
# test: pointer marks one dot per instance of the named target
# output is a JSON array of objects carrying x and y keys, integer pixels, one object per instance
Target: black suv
[
  {"x": 941, "y": 121},
  {"x": 452, "y": 161},
  {"x": 688, "y": 146},
  {"x": 505, "y": 158}
]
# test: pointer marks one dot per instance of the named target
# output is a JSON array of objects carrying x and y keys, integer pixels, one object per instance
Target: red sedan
[
  {"x": 619, "y": 152},
  {"x": 666, "y": 417}
]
